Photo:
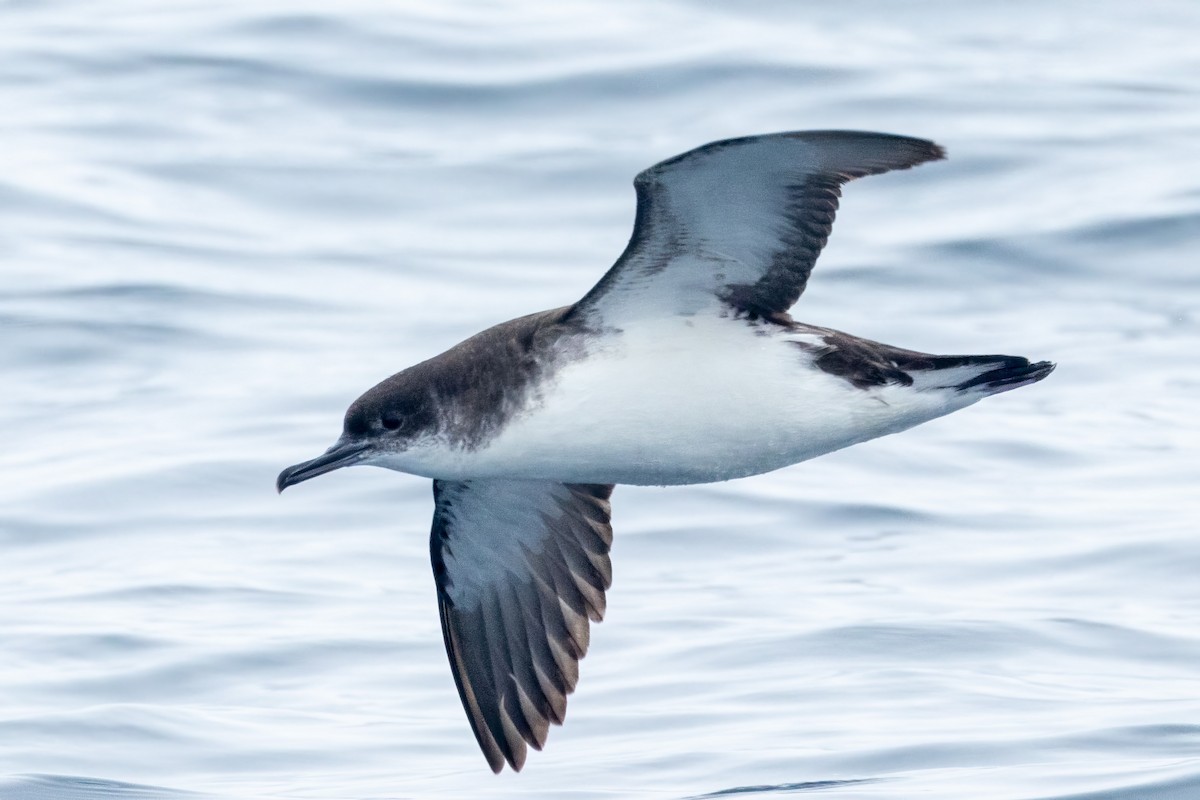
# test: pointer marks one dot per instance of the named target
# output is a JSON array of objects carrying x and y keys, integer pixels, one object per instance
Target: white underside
[{"x": 686, "y": 400}]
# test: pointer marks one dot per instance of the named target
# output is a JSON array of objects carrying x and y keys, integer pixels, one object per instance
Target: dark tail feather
[
  {"x": 987, "y": 374},
  {"x": 1016, "y": 373}
]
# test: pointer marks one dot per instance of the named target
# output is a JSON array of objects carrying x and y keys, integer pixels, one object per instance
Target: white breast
[{"x": 689, "y": 400}]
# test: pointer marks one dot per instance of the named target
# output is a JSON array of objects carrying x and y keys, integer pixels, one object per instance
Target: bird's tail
[
  {"x": 1020, "y": 372},
  {"x": 982, "y": 374}
]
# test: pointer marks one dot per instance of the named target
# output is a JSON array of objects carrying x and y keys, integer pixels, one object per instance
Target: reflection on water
[
  {"x": 63, "y": 787},
  {"x": 223, "y": 221}
]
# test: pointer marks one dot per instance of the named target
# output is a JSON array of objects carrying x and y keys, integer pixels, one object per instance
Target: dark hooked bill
[{"x": 342, "y": 454}]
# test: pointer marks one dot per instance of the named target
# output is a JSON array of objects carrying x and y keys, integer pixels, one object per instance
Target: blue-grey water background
[{"x": 221, "y": 221}]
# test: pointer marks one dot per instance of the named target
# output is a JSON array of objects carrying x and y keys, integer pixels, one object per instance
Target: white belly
[{"x": 691, "y": 400}]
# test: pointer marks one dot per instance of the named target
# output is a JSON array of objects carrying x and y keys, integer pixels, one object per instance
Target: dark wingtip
[
  {"x": 515, "y": 756},
  {"x": 921, "y": 151},
  {"x": 890, "y": 150}
]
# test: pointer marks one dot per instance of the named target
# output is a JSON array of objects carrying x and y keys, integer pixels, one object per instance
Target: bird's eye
[{"x": 391, "y": 423}]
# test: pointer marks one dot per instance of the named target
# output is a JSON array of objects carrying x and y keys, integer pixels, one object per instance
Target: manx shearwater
[{"x": 680, "y": 366}]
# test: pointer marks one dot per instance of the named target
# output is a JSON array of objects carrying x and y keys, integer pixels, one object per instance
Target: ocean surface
[{"x": 221, "y": 221}]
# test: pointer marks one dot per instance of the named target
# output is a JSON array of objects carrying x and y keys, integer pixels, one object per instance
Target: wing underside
[
  {"x": 521, "y": 569},
  {"x": 738, "y": 224}
]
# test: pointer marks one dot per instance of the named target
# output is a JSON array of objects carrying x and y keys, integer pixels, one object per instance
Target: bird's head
[{"x": 379, "y": 427}]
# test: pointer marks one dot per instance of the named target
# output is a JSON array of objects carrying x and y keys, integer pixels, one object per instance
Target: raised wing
[
  {"x": 521, "y": 566},
  {"x": 739, "y": 223}
]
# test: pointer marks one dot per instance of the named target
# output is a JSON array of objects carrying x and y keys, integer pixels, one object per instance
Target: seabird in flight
[{"x": 682, "y": 365}]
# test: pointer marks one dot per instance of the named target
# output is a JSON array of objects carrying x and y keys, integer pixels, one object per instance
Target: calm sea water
[{"x": 219, "y": 222}]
